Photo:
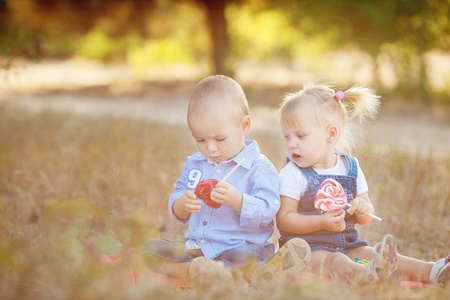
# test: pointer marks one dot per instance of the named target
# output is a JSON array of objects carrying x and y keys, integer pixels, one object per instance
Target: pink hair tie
[{"x": 339, "y": 95}]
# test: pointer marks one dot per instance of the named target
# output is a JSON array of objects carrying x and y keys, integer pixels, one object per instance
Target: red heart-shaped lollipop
[
  {"x": 331, "y": 196},
  {"x": 203, "y": 191}
]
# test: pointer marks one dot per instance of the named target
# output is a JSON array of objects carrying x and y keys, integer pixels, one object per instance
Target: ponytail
[{"x": 365, "y": 102}]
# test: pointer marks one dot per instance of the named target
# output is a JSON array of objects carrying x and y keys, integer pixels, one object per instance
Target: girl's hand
[
  {"x": 190, "y": 202},
  {"x": 225, "y": 193},
  {"x": 360, "y": 207},
  {"x": 333, "y": 220}
]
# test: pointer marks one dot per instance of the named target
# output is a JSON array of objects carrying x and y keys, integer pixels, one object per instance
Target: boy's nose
[{"x": 212, "y": 147}]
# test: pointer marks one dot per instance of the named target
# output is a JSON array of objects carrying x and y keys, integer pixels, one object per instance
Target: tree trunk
[
  {"x": 422, "y": 89},
  {"x": 217, "y": 24}
]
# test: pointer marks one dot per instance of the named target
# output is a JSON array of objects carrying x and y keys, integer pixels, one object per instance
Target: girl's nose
[{"x": 292, "y": 144}]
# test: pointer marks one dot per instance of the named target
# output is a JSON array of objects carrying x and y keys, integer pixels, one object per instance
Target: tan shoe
[
  {"x": 210, "y": 275},
  {"x": 291, "y": 259},
  {"x": 384, "y": 266}
]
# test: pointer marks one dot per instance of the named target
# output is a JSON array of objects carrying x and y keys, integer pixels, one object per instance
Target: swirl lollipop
[
  {"x": 204, "y": 188},
  {"x": 331, "y": 196}
]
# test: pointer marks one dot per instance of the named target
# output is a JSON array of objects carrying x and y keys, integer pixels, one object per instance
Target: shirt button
[
  {"x": 204, "y": 222},
  {"x": 276, "y": 201},
  {"x": 202, "y": 241},
  {"x": 218, "y": 171}
]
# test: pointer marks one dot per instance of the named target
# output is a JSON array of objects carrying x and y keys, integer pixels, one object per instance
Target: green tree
[
  {"x": 404, "y": 30},
  {"x": 410, "y": 27},
  {"x": 51, "y": 28}
]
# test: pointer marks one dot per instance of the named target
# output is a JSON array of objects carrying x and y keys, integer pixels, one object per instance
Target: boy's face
[{"x": 219, "y": 134}]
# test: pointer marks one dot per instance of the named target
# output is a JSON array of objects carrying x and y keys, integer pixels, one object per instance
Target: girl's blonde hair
[{"x": 320, "y": 102}]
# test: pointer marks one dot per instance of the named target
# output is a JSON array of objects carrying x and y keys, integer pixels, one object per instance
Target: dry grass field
[{"x": 74, "y": 187}]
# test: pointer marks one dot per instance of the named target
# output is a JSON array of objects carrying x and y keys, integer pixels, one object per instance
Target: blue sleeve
[
  {"x": 262, "y": 203},
  {"x": 181, "y": 186}
]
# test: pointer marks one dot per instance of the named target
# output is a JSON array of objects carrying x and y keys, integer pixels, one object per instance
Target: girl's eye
[
  {"x": 221, "y": 140},
  {"x": 287, "y": 138},
  {"x": 300, "y": 136},
  {"x": 200, "y": 141}
]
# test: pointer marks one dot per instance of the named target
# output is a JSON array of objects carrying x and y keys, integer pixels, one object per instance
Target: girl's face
[
  {"x": 309, "y": 146},
  {"x": 219, "y": 136}
]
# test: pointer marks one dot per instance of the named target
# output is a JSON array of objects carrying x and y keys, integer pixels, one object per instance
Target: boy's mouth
[{"x": 216, "y": 158}]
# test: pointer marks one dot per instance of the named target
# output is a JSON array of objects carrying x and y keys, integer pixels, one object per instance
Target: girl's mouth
[{"x": 295, "y": 157}]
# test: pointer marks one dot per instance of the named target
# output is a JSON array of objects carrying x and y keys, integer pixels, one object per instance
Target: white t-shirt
[{"x": 293, "y": 183}]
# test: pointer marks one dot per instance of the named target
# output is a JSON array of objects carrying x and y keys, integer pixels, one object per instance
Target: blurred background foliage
[
  {"x": 76, "y": 185},
  {"x": 402, "y": 44}
]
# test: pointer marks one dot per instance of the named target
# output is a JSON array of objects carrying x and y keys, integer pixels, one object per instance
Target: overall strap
[
  {"x": 352, "y": 166},
  {"x": 308, "y": 171}
]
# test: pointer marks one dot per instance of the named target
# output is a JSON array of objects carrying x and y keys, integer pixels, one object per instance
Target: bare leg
[
  {"x": 410, "y": 269},
  {"x": 338, "y": 266},
  {"x": 413, "y": 269}
]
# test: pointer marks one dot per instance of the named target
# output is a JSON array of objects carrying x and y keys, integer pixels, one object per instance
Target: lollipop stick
[
  {"x": 234, "y": 169},
  {"x": 372, "y": 215}
]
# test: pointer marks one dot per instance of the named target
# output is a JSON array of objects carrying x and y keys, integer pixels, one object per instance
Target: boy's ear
[{"x": 246, "y": 124}]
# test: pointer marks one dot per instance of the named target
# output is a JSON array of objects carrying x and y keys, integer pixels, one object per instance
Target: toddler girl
[{"x": 313, "y": 120}]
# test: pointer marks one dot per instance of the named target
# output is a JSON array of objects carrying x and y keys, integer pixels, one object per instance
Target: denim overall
[{"x": 323, "y": 239}]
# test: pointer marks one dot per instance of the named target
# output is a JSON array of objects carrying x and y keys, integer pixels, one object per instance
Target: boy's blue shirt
[{"x": 217, "y": 230}]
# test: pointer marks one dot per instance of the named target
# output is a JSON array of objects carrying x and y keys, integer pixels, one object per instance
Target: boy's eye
[
  {"x": 221, "y": 139},
  {"x": 300, "y": 136},
  {"x": 287, "y": 138},
  {"x": 200, "y": 141}
]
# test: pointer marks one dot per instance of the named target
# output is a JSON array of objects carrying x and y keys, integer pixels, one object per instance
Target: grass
[{"x": 73, "y": 188}]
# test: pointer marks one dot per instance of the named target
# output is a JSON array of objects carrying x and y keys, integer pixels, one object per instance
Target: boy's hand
[
  {"x": 225, "y": 193},
  {"x": 333, "y": 220},
  {"x": 190, "y": 202}
]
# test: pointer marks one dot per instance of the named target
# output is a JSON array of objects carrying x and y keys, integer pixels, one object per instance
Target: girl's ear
[
  {"x": 332, "y": 132},
  {"x": 246, "y": 123}
]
